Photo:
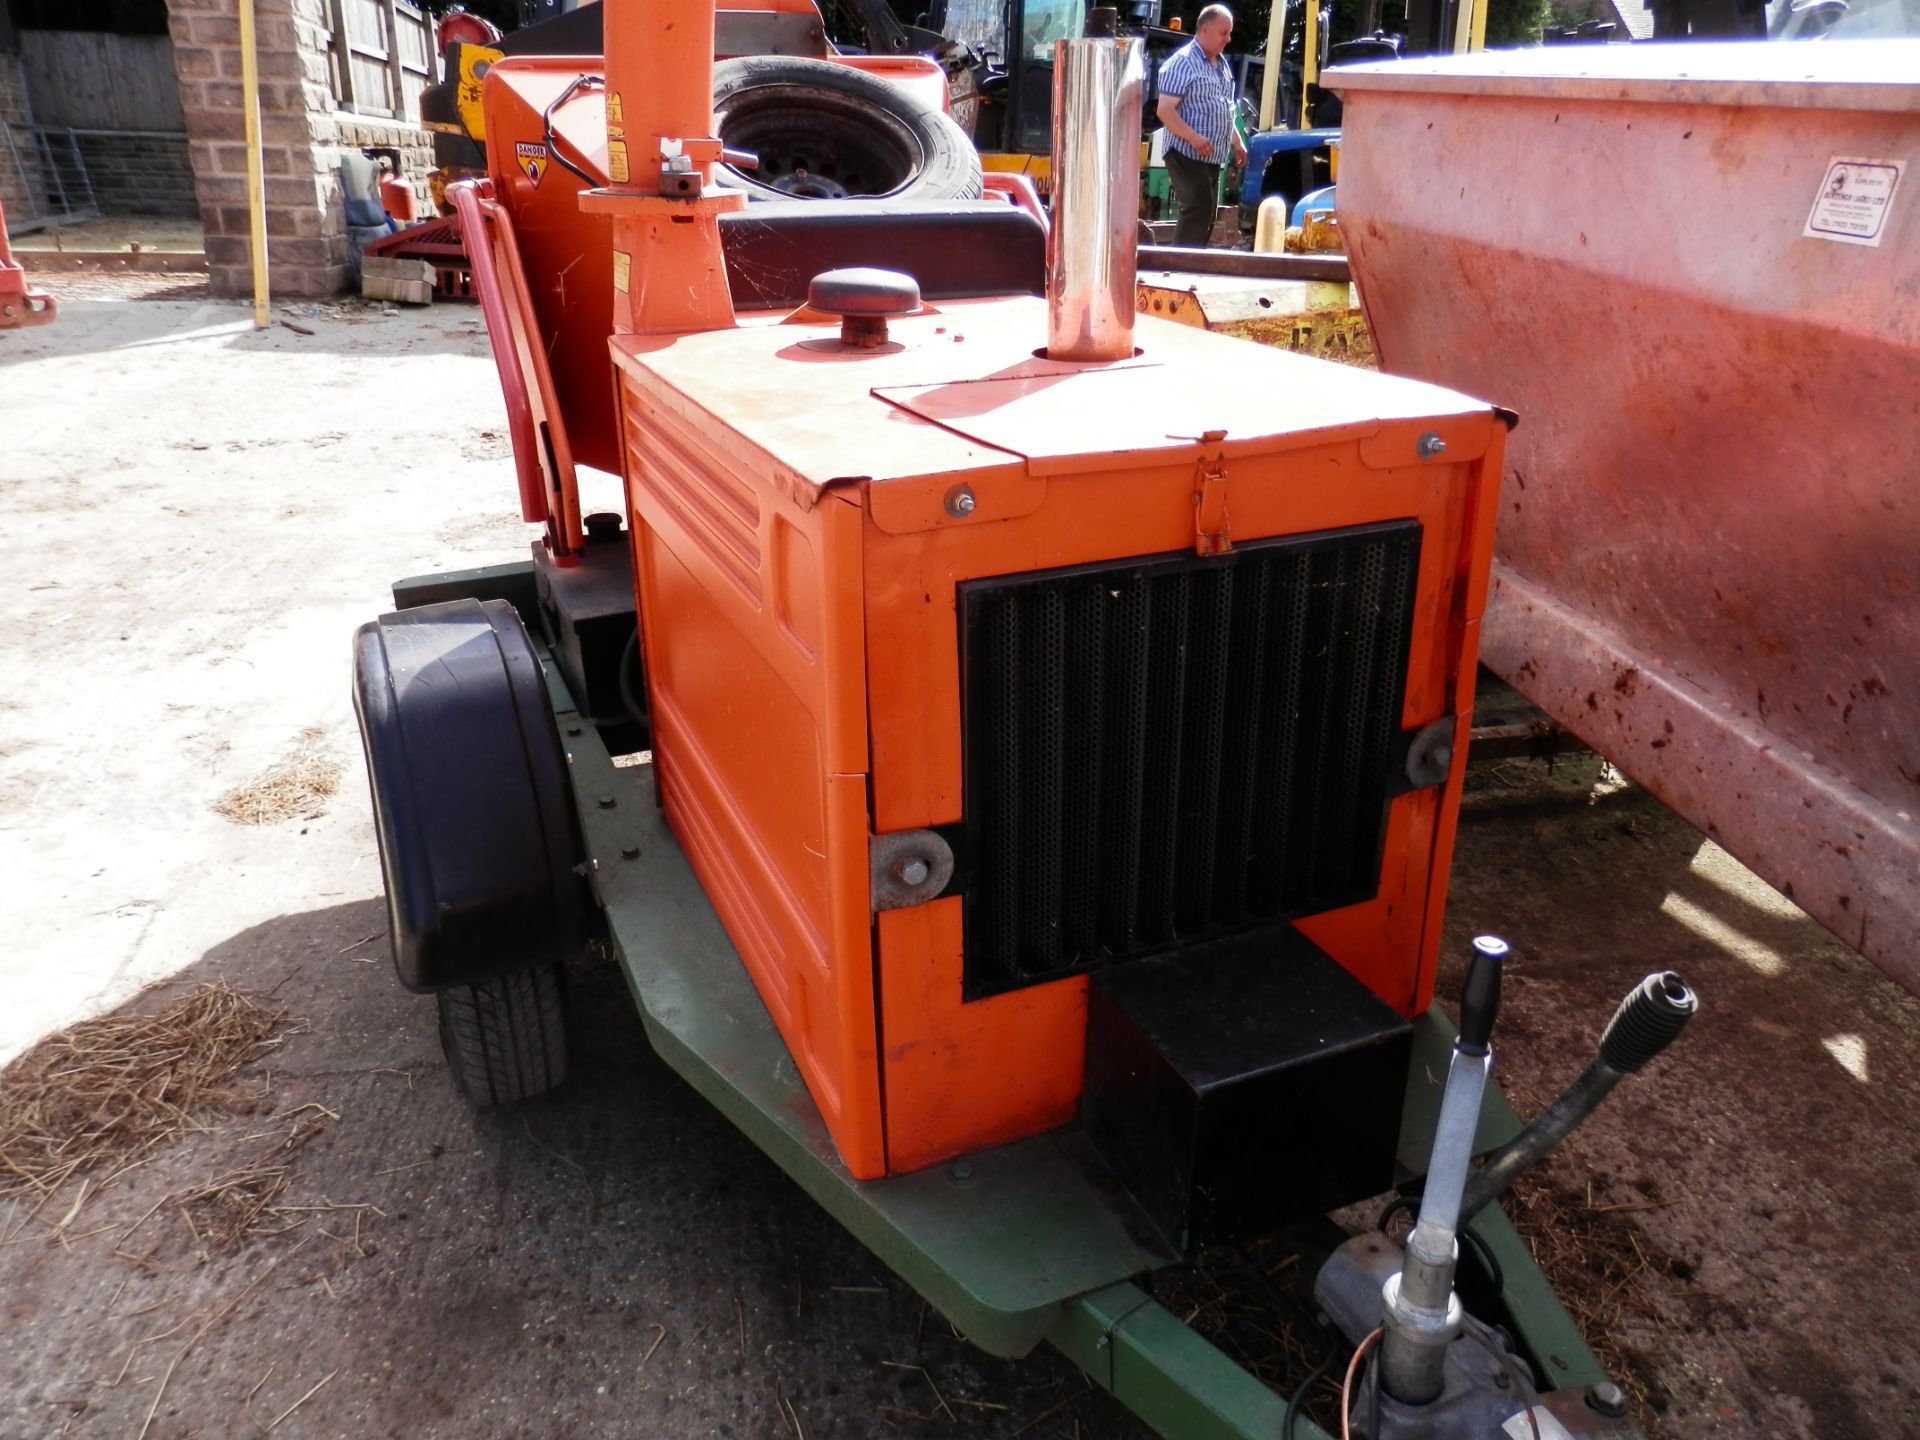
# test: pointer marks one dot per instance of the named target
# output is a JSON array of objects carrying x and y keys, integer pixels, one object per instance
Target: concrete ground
[{"x": 201, "y": 514}]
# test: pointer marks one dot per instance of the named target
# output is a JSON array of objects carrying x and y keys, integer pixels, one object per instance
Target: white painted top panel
[{"x": 1879, "y": 75}]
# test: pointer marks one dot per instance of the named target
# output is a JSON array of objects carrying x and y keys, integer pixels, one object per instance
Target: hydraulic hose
[{"x": 1654, "y": 1012}]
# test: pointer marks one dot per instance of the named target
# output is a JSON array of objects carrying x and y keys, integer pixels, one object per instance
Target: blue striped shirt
[{"x": 1205, "y": 91}]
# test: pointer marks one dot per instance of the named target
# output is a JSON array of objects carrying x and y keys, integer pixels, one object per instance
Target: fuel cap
[{"x": 863, "y": 297}]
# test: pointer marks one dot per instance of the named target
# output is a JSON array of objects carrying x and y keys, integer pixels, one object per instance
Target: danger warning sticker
[
  {"x": 533, "y": 161},
  {"x": 1855, "y": 198}
]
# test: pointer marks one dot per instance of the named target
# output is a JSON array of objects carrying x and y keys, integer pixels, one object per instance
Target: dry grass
[
  {"x": 296, "y": 788},
  {"x": 1596, "y": 1258},
  {"x": 90, "y": 1102},
  {"x": 1254, "y": 1302},
  {"x": 245, "y": 1202}
]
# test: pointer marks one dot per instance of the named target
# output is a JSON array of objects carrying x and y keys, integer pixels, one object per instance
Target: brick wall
[
  {"x": 140, "y": 174},
  {"x": 301, "y": 135},
  {"x": 18, "y": 187}
]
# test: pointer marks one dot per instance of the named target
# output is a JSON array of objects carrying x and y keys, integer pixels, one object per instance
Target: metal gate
[{"x": 53, "y": 174}]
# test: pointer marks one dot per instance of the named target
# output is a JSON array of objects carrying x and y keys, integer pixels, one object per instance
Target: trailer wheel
[
  {"x": 830, "y": 132},
  {"x": 505, "y": 1038}
]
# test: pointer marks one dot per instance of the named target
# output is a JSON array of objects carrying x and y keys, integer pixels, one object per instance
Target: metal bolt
[
  {"x": 960, "y": 501},
  {"x": 911, "y": 870},
  {"x": 629, "y": 852},
  {"x": 1430, "y": 445},
  {"x": 1608, "y": 1399},
  {"x": 605, "y": 802},
  {"x": 573, "y": 729},
  {"x": 960, "y": 1173}
]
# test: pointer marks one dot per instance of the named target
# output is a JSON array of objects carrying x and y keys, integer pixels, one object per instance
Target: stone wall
[
  {"x": 414, "y": 144},
  {"x": 301, "y": 134},
  {"x": 140, "y": 174}
]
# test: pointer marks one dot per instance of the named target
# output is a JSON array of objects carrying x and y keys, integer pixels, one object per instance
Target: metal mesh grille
[{"x": 1164, "y": 750}]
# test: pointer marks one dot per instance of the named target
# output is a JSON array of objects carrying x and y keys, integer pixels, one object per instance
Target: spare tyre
[{"x": 830, "y": 132}]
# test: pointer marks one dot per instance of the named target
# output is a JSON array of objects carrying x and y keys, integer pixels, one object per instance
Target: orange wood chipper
[
  {"x": 1054, "y": 723},
  {"x": 20, "y": 304}
]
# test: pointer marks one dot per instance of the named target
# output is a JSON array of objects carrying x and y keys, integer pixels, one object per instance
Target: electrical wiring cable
[
  {"x": 1375, "y": 1418},
  {"x": 546, "y": 119},
  {"x": 1313, "y": 1377},
  {"x": 1346, "y": 1386}
]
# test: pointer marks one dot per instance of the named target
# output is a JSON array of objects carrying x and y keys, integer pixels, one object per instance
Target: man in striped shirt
[{"x": 1196, "y": 106}]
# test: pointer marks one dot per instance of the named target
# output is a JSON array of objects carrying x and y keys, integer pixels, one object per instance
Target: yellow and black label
[{"x": 532, "y": 160}]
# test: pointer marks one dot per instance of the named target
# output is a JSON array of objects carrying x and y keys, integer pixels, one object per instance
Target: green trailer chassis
[{"x": 1013, "y": 1245}]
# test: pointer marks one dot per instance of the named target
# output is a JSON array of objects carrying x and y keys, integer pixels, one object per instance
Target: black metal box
[
  {"x": 587, "y": 614},
  {"x": 1238, "y": 1085}
]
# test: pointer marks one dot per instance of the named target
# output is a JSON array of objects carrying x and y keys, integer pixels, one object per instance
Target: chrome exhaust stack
[{"x": 1098, "y": 85}]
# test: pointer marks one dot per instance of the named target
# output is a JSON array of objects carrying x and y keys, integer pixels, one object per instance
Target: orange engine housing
[{"x": 824, "y": 666}]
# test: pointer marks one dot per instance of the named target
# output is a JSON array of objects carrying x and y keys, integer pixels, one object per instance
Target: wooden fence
[
  {"x": 380, "y": 56},
  {"x": 101, "y": 82}
]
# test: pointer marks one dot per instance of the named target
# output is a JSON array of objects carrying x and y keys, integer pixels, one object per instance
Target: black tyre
[
  {"x": 471, "y": 803},
  {"x": 506, "y": 1037},
  {"x": 827, "y": 132}
]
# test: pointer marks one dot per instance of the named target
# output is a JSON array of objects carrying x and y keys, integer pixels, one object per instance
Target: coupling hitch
[{"x": 1441, "y": 1374}]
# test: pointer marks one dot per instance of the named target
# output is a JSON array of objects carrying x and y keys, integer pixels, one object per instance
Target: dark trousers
[{"x": 1196, "y": 184}]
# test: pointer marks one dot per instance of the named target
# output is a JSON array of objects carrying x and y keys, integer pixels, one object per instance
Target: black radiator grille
[{"x": 1164, "y": 750}]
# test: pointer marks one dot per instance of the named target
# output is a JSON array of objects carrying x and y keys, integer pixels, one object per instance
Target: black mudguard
[{"x": 471, "y": 801}]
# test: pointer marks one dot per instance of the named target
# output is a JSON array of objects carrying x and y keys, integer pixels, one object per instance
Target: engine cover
[{"x": 1141, "y": 643}]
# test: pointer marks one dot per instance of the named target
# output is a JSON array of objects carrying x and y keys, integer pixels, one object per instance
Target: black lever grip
[
  {"x": 1655, "y": 1010},
  {"x": 1480, "y": 997}
]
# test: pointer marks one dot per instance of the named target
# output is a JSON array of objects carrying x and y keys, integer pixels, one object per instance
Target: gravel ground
[{"x": 209, "y": 512}]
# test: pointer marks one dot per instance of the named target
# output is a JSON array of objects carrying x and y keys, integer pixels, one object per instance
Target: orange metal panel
[
  {"x": 962, "y": 1075},
  {"x": 566, "y": 258},
  {"x": 515, "y": 329},
  {"x": 753, "y": 629}
]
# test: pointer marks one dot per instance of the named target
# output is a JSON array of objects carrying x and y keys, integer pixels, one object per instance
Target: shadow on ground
[
  {"x": 1768, "y": 1165},
  {"x": 611, "y": 1260},
  {"x": 616, "y": 1260}
]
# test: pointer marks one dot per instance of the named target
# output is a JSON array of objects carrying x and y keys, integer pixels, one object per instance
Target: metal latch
[
  {"x": 908, "y": 867},
  {"x": 1212, "y": 526}
]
